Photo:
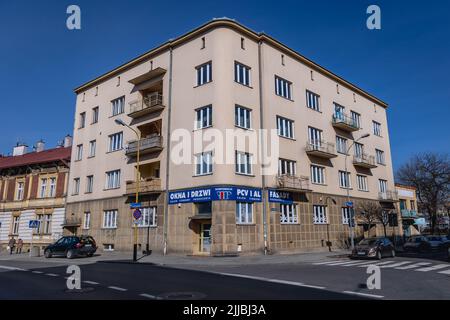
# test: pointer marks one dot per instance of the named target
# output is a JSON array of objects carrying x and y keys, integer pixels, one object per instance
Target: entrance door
[{"x": 205, "y": 237}]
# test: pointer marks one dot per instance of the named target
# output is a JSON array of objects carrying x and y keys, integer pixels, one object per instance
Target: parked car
[
  {"x": 417, "y": 244},
  {"x": 437, "y": 242},
  {"x": 374, "y": 248},
  {"x": 72, "y": 246}
]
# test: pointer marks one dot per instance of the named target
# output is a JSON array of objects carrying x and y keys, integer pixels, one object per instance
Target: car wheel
[
  {"x": 393, "y": 253},
  {"x": 48, "y": 254},
  {"x": 70, "y": 254},
  {"x": 379, "y": 256},
  {"x": 90, "y": 255}
]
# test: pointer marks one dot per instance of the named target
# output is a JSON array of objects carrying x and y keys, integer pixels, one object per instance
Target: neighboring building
[
  {"x": 33, "y": 187},
  {"x": 222, "y": 76},
  {"x": 407, "y": 208}
]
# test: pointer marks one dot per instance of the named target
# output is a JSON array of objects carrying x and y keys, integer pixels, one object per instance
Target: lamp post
[
  {"x": 351, "y": 216},
  {"x": 138, "y": 178},
  {"x": 328, "y": 223}
]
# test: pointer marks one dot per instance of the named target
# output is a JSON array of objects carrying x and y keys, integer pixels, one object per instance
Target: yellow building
[{"x": 407, "y": 209}]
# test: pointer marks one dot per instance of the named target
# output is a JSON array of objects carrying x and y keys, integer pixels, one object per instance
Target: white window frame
[
  {"x": 76, "y": 186},
  {"x": 283, "y": 88},
  {"x": 380, "y": 156},
  {"x": 344, "y": 176},
  {"x": 204, "y": 73},
  {"x": 242, "y": 117},
  {"x": 356, "y": 118},
  {"x": 285, "y": 127},
  {"x": 317, "y": 174},
  {"x": 382, "y": 185},
  {"x": 43, "y": 188},
  {"x": 112, "y": 179},
  {"x": 95, "y": 113},
  {"x": 244, "y": 163},
  {"x": 320, "y": 214},
  {"x": 79, "y": 154},
  {"x": 204, "y": 163},
  {"x": 82, "y": 120},
  {"x": 362, "y": 182},
  {"x": 203, "y": 117},
  {"x": 315, "y": 137},
  {"x": 287, "y": 167},
  {"x": 376, "y": 128},
  {"x": 52, "y": 187},
  {"x": 312, "y": 100},
  {"x": 20, "y": 190},
  {"x": 15, "y": 225},
  {"x": 110, "y": 219},
  {"x": 90, "y": 184},
  {"x": 148, "y": 218},
  {"x": 345, "y": 213},
  {"x": 118, "y": 106},
  {"x": 243, "y": 78},
  {"x": 358, "y": 149},
  {"x": 288, "y": 213},
  {"x": 92, "y": 148},
  {"x": 115, "y": 142},
  {"x": 87, "y": 220},
  {"x": 341, "y": 145},
  {"x": 244, "y": 212}
]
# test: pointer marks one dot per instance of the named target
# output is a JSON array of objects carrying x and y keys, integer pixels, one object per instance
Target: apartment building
[
  {"x": 407, "y": 207},
  {"x": 33, "y": 186},
  {"x": 217, "y": 77}
]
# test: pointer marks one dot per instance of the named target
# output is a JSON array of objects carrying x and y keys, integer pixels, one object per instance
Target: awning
[
  {"x": 148, "y": 76},
  {"x": 201, "y": 217}
]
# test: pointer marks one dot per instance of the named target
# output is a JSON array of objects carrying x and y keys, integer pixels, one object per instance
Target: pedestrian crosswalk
[{"x": 442, "y": 268}]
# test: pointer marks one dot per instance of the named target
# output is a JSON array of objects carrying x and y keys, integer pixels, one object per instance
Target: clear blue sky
[{"x": 407, "y": 63}]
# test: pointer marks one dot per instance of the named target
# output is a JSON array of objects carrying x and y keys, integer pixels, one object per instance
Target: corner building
[{"x": 222, "y": 76}]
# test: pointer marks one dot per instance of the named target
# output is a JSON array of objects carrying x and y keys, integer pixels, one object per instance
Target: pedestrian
[
  {"x": 19, "y": 246},
  {"x": 11, "y": 245}
]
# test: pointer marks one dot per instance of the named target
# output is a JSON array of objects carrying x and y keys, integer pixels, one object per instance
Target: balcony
[
  {"x": 148, "y": 185},
  {"x": 409, "y": 214},
  {"x": 321, "y": 149},
  {"x": 345, "y": 123},
  {"x": 146, "y": 105},
  {"x": 71, "y": 222},
  {"x": 364, "y": 161},
  {"x": 388, "y": 196},
  {"x": 146, "y": 145},
  {"x": 293, "y": 183}
]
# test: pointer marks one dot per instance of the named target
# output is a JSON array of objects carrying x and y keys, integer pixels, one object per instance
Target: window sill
[
  {"x": 245, "y": 174},
  {"x": 202, "y": 175},
  {"x": 320, "y": 223},
  {"x": 90, "y": 157},
  {"x": 151, "y": 227},
  {"x": 244, "y": 85},
  {"x": 319, "y": 184},
  {"x": 293, "y": 139},
  {"x": 110, "y": 228},
  {"x": 107, "y": 152},
  {"x": 202, "y": 128},
  {"x": 245, "y": 224},
  {"x": 363, "y": 190},
  {"x": 284, "y": 98},
  {"x": 201, "y": 85},
  {"x": 106, "y": 189},
  {"x": 345, "y": 188},
  {"x": 290, "y": 223},
  {"x": 244, "y": 128},
  {"x": 115, "y": 115},
  {"x": 319, "y": 111}
]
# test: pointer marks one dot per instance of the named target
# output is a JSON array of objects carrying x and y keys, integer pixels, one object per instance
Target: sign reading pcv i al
[{"x": 215, "y": 194}]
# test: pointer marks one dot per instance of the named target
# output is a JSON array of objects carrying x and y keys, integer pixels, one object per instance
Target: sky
[{"x": 406, "y": 63}]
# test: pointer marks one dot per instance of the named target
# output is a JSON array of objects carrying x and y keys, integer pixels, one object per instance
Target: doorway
[{"x": 204, "y": 244}]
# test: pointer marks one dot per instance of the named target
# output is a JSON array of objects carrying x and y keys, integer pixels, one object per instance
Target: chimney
[
  {"x": 40, "y": 146},
  {"x": 67, "y": 141},
  {"x": 20, "y": 149}
]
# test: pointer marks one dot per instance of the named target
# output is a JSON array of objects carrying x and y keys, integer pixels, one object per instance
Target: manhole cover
[
  {"x": 82, "y": 290},
  {"x": 182, "y": 296}
]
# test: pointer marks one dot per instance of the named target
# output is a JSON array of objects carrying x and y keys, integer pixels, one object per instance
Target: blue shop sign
[
  {"x": 280, "y": 196},
  {"x": 215, "y": 194}
]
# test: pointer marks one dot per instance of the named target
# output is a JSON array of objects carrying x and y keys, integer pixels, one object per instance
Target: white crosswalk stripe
[
  {"x": 445, "y": 272},
  {"x": 375, "y": 264},
  {"x": 413, "y": 266},
  {"x": 398, "y": 264},
  {"x": 432, "y": 268},
  {"x": 341, "y": 263},
  {"x": 326, "y": 262}
]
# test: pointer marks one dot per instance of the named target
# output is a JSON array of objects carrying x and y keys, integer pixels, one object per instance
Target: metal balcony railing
[
  {"x": 321, "y": 148},
  {"x": 145, "y": 144},
  {"x": 364, "y": 160},
  {"x": 147, "y": 103},
  {"x": 147, "y": 185},
  {"x": 71, "y": 222},
  {"x": 343, "y": 121},
  {"x": 389, "y": 195},
  {"x": 293, "y": 182},
  {"x": 409, "y": 213}
]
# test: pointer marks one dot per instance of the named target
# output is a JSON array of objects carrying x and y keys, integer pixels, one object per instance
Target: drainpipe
[{"x": 169, "y": 106}]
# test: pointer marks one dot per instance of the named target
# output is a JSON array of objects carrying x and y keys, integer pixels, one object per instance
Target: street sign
[
  {"x": 349, "y": 204},
  {"x": 135, "y": 205},
  {"x": 33, "y": 224},
  {"x": 137, "y": 214}
]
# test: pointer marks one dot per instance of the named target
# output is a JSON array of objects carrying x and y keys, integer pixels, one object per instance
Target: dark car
[
  {"x": 437, "y": 243},
  {"x": 72, "y": 246},
  {"x": 417, "y": 244},
  {"x": 374, "y": 248}
]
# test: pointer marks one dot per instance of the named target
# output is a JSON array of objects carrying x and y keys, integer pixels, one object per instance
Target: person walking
[
  {"x": 11, "y": 245},
  {"x": 19, "y": 246}
]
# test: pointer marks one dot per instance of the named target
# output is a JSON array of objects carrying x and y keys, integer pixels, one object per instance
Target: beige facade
[
  {"x": 162, "y": 95},
  {"x": 407, "y": 208}
]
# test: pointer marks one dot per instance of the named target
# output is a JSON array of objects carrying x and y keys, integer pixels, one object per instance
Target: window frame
[
  {"x": 285, "y": 85},
  {"x": 110, "y": 219},
  {"x": 238, "y": 110},
  {"x": 289, "y": 217},
  {"x": 247, "y": 165},
  {"x": 200, "y": 74},
  {"x": 116, "y": 177},
  {"x": 248, "y": 213},
  {"x": 207, "y": 112},
  {"x": 320, "y": 216},
  {"x": 200, "y": 163},
  {"x": 282, "y": 124},
  {"x": 315, "y": 99},
  {"x": 117, "y": 109},
  {"x": 320, "y": 170},
  {"x": 246, "y": 74}
]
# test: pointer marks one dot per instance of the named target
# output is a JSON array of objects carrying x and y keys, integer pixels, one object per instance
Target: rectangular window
[
  {"x": 16, "y": 225},
  {"x": 287, "y": 167},
  {"x": 359, "y": 150},
  {"x": 356, "y": 119},
  {"x": 285, "y": 127},
  {"x": 362, "y": 182},
  {"x": 243, "y": 163},
  {"x": 110, "y": 219},
  {"x": 113, "y": 179},
  {"x": 412, "y": 204},
  {"x": 243, "y": 117},
  {"x": 118, "y": 106},
  {"x": 45, "y": 224},
  {"x": 283, "y": 88},
  {"x": 341, "y": 145},
  {"x": 315, "y": 137},
  {"x": 203, "y": 163},
  {"x": 344, "y": 179},
  {"x": 20, "y": 191},
  {"x": 317, "y": 174},
  {"x": 87, "y": 220},
  {"x": 76, "y": 186},
  {"x": 204, "y": 117},
  {"x": 43, "y": 189},
  {"x": 95, "y": 115},
  {"x": 148, "y": 218},
  {"x": 92, "y": 147},
  {"x": 82, "y": 123},
  {"x": 244, "y": 213},
  {"x": 115, "y": 142},
  {"x": 320, "y": 215},
  {"x": 241, "y": 74},
  {"x": 380, "y": 156},
  {"x": 402, "y": 204},
  {"x": 376, "y": 128},
  {"x": 89, "y": 184},
  {"x": 52, "y": 187},
  {"x": 204, "y": 208},
  {"x": 382, "y": 185},
  {"x": 79, "y": 154},
  {"x": 288, "y": 214},
  {"x": 204, "y": 73},
  {"x": 312, "y": 100},
  {"x": 339, "y": 111},
  {"x": 345, "y": 212}
]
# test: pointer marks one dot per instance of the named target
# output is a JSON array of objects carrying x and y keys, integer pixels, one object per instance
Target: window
[
  {"x": 356, "y": 119},
  {"x": 241, "y": 74},
  {"x": 282, "y": 59},
  {"x": 315, "y": 136},
  {"x": 113, "y": 179},
  {"x": 312, "y": 100},
  {"x": 118, "y": 106},
  {"x": 345, "y": 211},
  {"x": 148, "y": 218},
  {"x": 283, "y": 88},
  {"x": 412, "y": 204},
  {"x": 16, "y": 225},
  {"x": 20, "y": 191},
  {"x": 43, "y": 189},
  {"x": 243, "y": 117},
  {"x": 338, "y": 111},
  {"x": 287, "y": 167},
  {"x": 382, "y": 185},
  {"x": 376, "y": 128},
  {"x": 359, "y": 150},
  {"x": 110, "y": 219},
  {"x": 402, "y": 204},
  {"x": 76, "y": 186},
  {"x": 203, "y": 163},
  {"x": 204, "y": 117},
  {"x": 94, "y": 115},
  {"x": 204, "y": 73},
  {"x": 115, "y": 141},
  {"x": 45, "y": 224},
  {"x": 244, "y": 212},
  {"x": 243, "y": 163},
  {"x": 89, "y": 184},
  {"x": 92, "y": 146},
  {"x": 285, "y": 127},
  {"x": 87, "y": 220},
  {"x": 52, "y": 187},
  {"x": 288, "y": 214},
  {"x": 79, "y": 154},
  {"x": 362, "y": 182},
  {"x": 380, "y": 156},
  {"x": 341, "y": 145},
  {"x": 317, "y": 174},
  {"x": 344, "y": 179},
  {"x": 242, "y": 43},
  {"x": 320, "y": 215},
  {"x": 82, "y": 123},
  {"x": 204, "y": 208},
  {"x": 203, "y": 43}
]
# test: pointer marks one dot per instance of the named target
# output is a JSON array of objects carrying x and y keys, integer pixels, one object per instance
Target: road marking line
[
  {"x": 364, "y": 294},
  {"x": 398, "y": 264},
  {"x": 445, "y": 271},
  {"x": 147, "y": 296},
  {"x": 51, "y": 275},
  {"x": 436, "y": 267},
  {"x": 412, "y": 266},
  {"x": 12, "y": 268},
  {"x": 90, "y": 282},
  {"x": 37, "y": 272},
  {"x": 117, "y": 288},
  {"x": 375, "y": 264},
  {"x": 326, "y": 262},
  {"x": 344, "y": 263}
]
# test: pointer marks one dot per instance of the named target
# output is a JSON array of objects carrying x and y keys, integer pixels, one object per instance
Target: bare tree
[
  {"x": 429, "y": 173},
  {"x": 369, "y": 212}
]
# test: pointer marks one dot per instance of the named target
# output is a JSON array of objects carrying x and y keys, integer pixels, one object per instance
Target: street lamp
[
  {"x": 138, "y": 178},
  {"x": 351, "y": 216},
  {"x": 328, "y": 222}
]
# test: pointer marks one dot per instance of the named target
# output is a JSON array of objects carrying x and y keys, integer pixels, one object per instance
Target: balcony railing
[
  {"x": 148, "y": 185},
  {"x": 364, "y": 161},
  {"x": 389, "y": 196},
  {"x": 321, "y": 149},
  {"x": 71, "y": 222},
  {"x": 299, "y": 183},
  {"x": 145, "y": 105},
  {"x": 409, "y": 213},
  {"x": 146, "y": 145},
  {"x": 345, "y": 122}
]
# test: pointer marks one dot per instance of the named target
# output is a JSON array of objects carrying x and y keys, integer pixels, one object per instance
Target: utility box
[{"x": 35, "y": 251}]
